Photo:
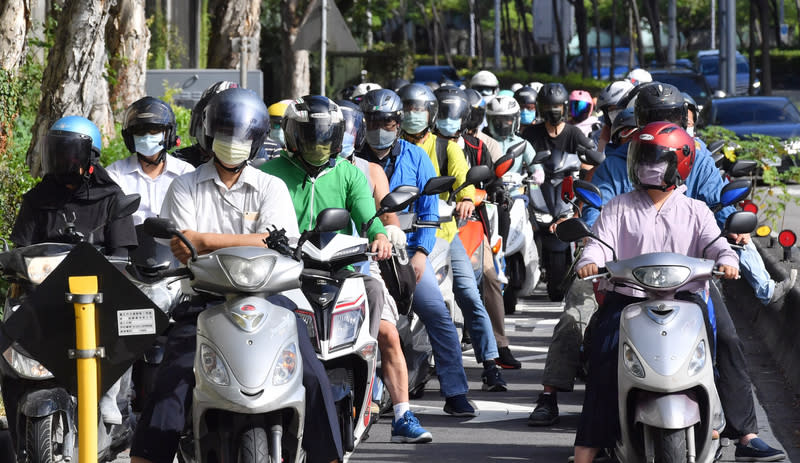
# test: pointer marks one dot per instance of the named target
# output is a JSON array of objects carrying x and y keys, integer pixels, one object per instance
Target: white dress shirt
[
  {"x": 132, "y": 179},
  {"x": 200, "y": 201}
]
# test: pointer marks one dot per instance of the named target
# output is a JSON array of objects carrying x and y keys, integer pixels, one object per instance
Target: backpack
[{"x": 441, "y": 154}]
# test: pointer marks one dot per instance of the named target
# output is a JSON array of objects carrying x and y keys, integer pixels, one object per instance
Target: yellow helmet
[{"x": 277, "y": 109}]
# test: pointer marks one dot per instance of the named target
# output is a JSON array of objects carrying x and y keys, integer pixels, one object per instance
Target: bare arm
[
  {"x": 208, "y": 242},
  {"x": 380, "y": 189}
]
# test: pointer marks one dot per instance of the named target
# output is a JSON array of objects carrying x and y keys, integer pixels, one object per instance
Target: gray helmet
[
  {"x": 624, "y": 125},
  {"x": 418, "y": 97},
  {"x": 477, "y": 111},
  {"x": 453, "y": 106},
  {"x": 382, "y": 105}
]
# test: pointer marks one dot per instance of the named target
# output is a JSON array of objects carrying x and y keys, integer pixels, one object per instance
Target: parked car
[
  {"x": 707, "y": 63},
  {"x": 687, "y": 80},
  {"x": 776, "y": 116},
  {"x": 621, "y": 68},
  {"x": 438, "y": 74}
]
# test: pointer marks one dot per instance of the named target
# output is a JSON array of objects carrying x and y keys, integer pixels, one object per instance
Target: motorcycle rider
[
  {"x": 276, "y": 140},
  {"x": 581, "y": 112},
  {"x": 660, "y": 158},
  {"x": 317, "y": 179},
  {"x": 452, "y": 101},
  {"x": 526, "y": 98},
  {"x": 476, "y": 117},
  {"x": 503, "y": 119},
  {"x": 485, "y": 83},
  {"x": 74, "y": 188},
  {"x": 421, "y": 113},
  {"x": 608, "y": 102},
  {"x": 199, "y": 153},
  {"x": 407, "y": 164},
  {"x": 149, "y": 132},
  {"x": 227, "y": 203}
]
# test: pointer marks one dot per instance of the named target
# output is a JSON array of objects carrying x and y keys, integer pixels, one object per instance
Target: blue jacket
[
  {"x": 704, "y": 182},
  {"x": 409, "y": 164}
]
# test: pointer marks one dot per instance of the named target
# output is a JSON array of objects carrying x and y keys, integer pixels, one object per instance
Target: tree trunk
[
  {"x": 614, "y": 31},
  {"x": 562, "y": 53},
  {"x": 442, "y": 35},
  {"x": 766, "y": 70},
  {"x": 14, "y": 24},
  {"x": 637, "y": 24},
  {"x": 752, "y": 47},
  {"x": 654, "y": 18},
  {"x": 597, "y": 43},
  {"x": 74, "y": 80},
  {"x": 581, "y": 22},
  {"x": 296, "y": 72},
  {"x": 229, "y": 19},
  {"x": 128, "y": 42}
]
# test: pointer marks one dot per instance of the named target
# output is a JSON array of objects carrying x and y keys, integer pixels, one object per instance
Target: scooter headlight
[
  {"x": 39, "y": 268},
  {"x": 247, "y": 273},
  {"x": 285, "y": 365},
  {"x": 25, "y": 366},
  {"x": 345, "y": 325},
  {"x": 631, "y": 360},
  {"x": 213, "y": 366},
  {"x": 670, "y": 276},
  {"x": 161, "y": 295},
  {"x": 441, "y": 273},
  {"x": 698, "y": 360}
]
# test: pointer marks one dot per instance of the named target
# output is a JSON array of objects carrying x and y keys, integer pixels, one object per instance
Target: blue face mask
[
  {"x": 415, "y": 122},
  {"x": 527, "y": 116},
  {"x": 348, "y": 145},
  {"x": 150, "y": 144},
  {"x": 277, "y": 135},
  {"x": 448, "y": 127}
]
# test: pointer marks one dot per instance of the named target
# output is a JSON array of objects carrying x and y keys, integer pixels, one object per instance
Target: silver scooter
[
  {"x": 249, "y": 391},
  {"x": 668, "y": 402}
]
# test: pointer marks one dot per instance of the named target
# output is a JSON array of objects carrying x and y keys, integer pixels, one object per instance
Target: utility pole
[
  {"x": 730, "y": 38},
  {"x": 672, "y": 43},
  {"x": 713, "y": 25},
  {"x": 723, "y": 46},
  {"x": 323, "y": 47},
  {"x": 497, "y": 64}
]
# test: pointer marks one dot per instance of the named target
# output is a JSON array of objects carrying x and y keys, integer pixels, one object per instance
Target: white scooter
[
  {"x": 521, "y": 256},
  {"x": 669, "y": 406}
]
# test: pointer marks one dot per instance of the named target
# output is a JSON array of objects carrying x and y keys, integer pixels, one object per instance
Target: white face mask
[
  {"x": 690, "y": 131},
  {"x": 150, "y": 144},
  {"x": 229, "y": 151}
]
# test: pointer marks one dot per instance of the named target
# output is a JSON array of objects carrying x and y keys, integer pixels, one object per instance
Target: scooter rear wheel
[
  {"x": 44, "y": 439},
  {"x": 253, "y": 446}
]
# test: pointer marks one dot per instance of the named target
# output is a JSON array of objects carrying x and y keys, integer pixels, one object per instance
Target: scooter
[
  {"x": 521, "y": 254},
  {"x": 248, "y": 371},
  {"x": 669, "y": 405}
]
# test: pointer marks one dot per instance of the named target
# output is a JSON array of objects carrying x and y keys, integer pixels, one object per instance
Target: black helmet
[
  {"x": 314, "y": 127},
  {"x": 552, "y": 102},
  {"x": 691, "y": 105},
  {"x": 196, "y": 127},
  {"x": 418, "y": 98},
  {"x": 477, "y": 109},
  {"x": 525, "y": 95},
  {"x": 397, "y": 83},
  {"x": 382, "y": 105},
  {"x": 624, "y": 125},
  {"x": 353, "y": 124},
  {"x": 239, "y": 115},
  {"x": 660, "y": 102},
  {"x": 453, "y": 107},
  {"x": 145, "y": 115}
]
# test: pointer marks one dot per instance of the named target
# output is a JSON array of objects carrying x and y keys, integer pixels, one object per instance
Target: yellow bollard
[{"x": 86, "y": 343}]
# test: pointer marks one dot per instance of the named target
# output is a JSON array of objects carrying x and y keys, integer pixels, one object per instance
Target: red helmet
[{"x": 660, "y": 142}]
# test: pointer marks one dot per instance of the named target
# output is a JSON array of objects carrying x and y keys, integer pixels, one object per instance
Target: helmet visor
[
  {"x": 453, "y": 108},
  {"x": 66, "y": 153},
  {"x": 675, "y": 115},
  {"x": 578, "y": 108},
  {"x": 241, "y": 122},
  {"x": 502, "y": 126},
  {"x": 319, "y": 139}
]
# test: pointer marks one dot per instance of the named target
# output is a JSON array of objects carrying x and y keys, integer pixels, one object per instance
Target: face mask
[
  {"x": 527, "y": 116},
  {"x": 415, "y": 122},
  {"x": 149, "y": 144},
  {"x": 448, "y": 127},
  {"x": 318, "y": 157},
  {"x": 277, "y": 135},
  {"x": 690, "y": 131},
  {"x": 553, "y": 116},
  {"x": 348, "y": 145},
  {"x": 381, "y": 139},
  {"x": 230, "y": 152},
  {"x": 651, "y": 174}
]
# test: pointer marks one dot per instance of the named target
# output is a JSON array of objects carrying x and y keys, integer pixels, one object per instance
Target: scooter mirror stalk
[
  {"x": 574, "y": 229},
  {"x": 399, "y": 199}
]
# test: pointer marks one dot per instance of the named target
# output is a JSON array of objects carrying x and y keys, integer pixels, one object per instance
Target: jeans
[
  {"x": 429, "y": 306},
  {"x": 752, "y": 267},
  {"x": 465, "y": 289}
]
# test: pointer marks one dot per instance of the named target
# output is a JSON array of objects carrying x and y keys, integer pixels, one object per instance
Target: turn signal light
[{"x": 497, "y": 246}]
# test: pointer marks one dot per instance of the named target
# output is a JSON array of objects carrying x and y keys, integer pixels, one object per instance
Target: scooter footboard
[{"x": 672, "y": 411}]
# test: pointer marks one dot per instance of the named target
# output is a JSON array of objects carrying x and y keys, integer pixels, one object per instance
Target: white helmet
[
  {"x": 502, "y": 117},
  {"x": 362, "y": 89},
  {"x": 516, "y": 86},
  {"x": 614, "y": 92},
  {"x": 536, "y": 86},
  {"x": 639, "y": 76},
  {"x": 485, "y": 82}
]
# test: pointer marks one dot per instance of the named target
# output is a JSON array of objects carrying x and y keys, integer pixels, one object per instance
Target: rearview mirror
[
  {"x": 438, "y": 185},
  {"x": 741, "y": 222},
  {"x": 572, "y": 230},
  {"x": 742, "y": 167},
  {"x": 588, "y": 193},
  {"x": 398, "y": 200},
  {"x": 478, "y": 174},
  {"x": 734, "y": 192},
  {"x": 160, "y": 228},
  {"x": 125, "y": 206},
  {"x": 541, "y": 156},
  {"x": 332, "y": 219},
  {"x": 716, "y": 146}
]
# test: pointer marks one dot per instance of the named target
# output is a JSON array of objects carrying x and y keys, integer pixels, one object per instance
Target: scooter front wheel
[
  {"x": 44, "y": 438},
  {"x": 253, "y": 447},
  {"x": 670, "y": 445}
]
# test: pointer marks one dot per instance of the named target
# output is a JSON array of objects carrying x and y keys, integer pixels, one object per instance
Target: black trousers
[{"x": 165, "y": 415}]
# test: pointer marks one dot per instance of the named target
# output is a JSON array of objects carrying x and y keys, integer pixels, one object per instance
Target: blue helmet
[
  {"x": 79, "y": 124},
  {"x": 72, "y": 145}
]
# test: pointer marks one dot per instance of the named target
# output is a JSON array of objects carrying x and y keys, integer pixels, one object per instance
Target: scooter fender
[
  {"x": 45, "y": 402},
  {"x": 672, "y": 411}
]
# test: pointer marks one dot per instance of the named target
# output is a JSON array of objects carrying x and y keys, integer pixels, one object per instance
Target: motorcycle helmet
[
  {"x": 397, "y": 83},
  {"x": 526, "y": 98},
  {"x": 196, "y": 125},
  {"x": 581, "y": 105},
  {"x": 536, "y": 86},
  {"x": 691, "y": 105},
  {"x": 353, "y": 138},
  {"x": 149, "y": 115},
  {"x": 515, "y": 86},
  {"x": 485, "y": 82},
  {"x": 276, "y": 112},
  {"x": 381, "y": 109},
  {"x": 453, "y": 111},
  {"x": 608, "y": 100},
  {"x": 418, "y": 99},
  {"x": 623, "y": 127},
  {"x": 477, "y": 109},
  {"x": 502, "y": 116},
  {"x": 660, "y": 148},
  {"x": 432, "y": 85},
  {"x": 660, "y": 102},
  {"x": 639, "y": 76},
  {"x": 552, "y": 101},
  {"x": 72, "y": 146},
  {"x": 236, "y": 123},
  {"x": 314, "y": 127},
  {"x": 362, "y": 89}
]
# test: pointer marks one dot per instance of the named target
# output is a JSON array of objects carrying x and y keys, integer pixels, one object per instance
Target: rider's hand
[
  {"x": 555, "y": 224},
  {"x": 180, "y": 250},
  {"x": 588, "y": 270},
  {"x": 743, "y": 238},
  {"x": 465, "y": 209},
  {"x": 418, "y": 262},
  {"x": 382, "y": 247},
  {"x": 731, "y": 273},
  {"x": 396, "y": 235}
]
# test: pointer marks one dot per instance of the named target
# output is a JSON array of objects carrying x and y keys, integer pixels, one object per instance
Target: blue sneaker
[
  {"x": 408, "y": 430},
  {"x": 758, "y": 450}
]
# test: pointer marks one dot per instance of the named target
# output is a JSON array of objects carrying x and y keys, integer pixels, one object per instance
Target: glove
[
  {"x": 538, "y": 176},
  {"x": 396, "y": 236}
]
